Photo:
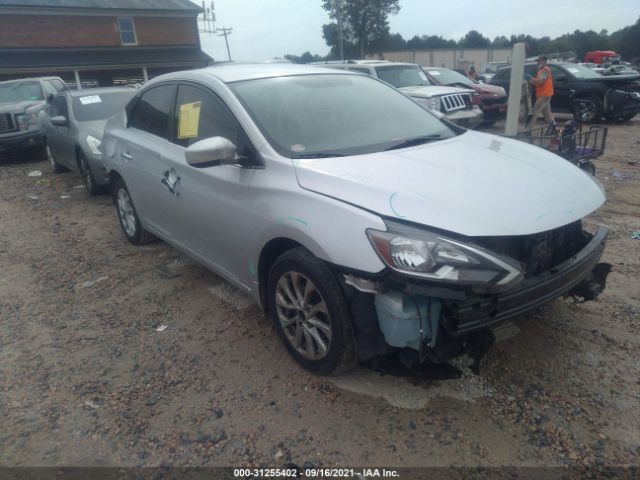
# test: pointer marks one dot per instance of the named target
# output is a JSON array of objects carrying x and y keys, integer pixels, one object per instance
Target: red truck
[{"x": 602, "y": 57}]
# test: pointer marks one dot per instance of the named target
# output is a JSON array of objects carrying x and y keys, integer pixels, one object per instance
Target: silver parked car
[
  {"x": 363, "y": 227},
  {"x": 74, "y": 128},
  {"x": 455, "y": 103}
]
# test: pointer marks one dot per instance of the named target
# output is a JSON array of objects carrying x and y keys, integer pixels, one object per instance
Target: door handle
[
  {"x": 126, "y": 155},
  {"x": 170, "y": 180}
]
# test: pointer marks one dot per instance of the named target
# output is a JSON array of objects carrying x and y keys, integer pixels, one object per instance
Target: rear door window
[{"x": 152, "y": 112}]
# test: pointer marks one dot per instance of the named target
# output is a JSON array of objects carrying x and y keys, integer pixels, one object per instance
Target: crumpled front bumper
[{"x": 578, "y": 275}]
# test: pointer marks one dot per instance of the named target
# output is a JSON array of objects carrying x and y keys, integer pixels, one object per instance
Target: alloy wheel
[
  {"x": 86, "y": 173},
  {"x": 304, "y": 316},
  {"x": 585, "y": 110},
  {"x": 126, "y": 212},
  {"x": 51, "y": 157}
]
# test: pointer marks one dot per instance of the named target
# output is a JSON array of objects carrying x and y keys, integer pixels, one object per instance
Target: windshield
[
  {"x": 20, "y": 91},
  {"x": 335, "y": 115},
  {"x": 450, "y": 77},
  {"x": 99, "y": 107},
  {"x": 403, "y": 76},
  {"x": 582, "y": 72}
]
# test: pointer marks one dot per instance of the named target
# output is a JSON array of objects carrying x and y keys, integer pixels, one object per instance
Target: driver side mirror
[
  {"x": 212, "y": 152},
  {"x": 560, "y": 78},
  {"x": 59, "y": 121}
]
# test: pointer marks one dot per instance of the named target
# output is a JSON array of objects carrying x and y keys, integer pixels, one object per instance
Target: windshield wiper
[
  {"x": 317, "y": 155},
  {"x": 412, "y": 142}
]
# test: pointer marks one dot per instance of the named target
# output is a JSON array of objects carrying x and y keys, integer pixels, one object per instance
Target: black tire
[
  {"x": 133, "y": 228},
  {"x": 587, "y": 110},
  {"x": 55, "y": 166},
  {"x": 88, "y": 179},
  {"x": 588, "y": 167},
  {"x": 341, "y": 352}
]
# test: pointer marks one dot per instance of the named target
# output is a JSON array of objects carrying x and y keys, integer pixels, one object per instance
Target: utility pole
[
  {"x": 337, "y": 5},
  {"x": 225, "y": 32}
]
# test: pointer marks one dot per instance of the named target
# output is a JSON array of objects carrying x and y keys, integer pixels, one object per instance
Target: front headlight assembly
[
  {"x": 26, "y": 120},
  {"x": 432, "y": 256},
  {"x": 94, "y": 144},
  {"x": 432, "y": 103}
]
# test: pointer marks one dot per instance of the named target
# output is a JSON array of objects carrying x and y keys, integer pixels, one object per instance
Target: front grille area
[
  {"x": 539, "y": 252},
  {"x": 456, "y": 101},
  {"x": 6, "y": 124}
]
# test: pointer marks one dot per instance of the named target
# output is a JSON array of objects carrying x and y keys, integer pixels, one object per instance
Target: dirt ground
[{"x": 87, "y": 377}]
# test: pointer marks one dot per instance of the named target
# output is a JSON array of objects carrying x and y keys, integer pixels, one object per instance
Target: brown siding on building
[
  {"x": 42, "y": 31},
  {"x": 32, "y": 31},
  {"x": 166, "y": 31}
]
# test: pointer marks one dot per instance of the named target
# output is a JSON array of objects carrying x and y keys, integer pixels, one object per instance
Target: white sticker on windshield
[
  {"x": 423, "y": 75},
  {"x": 90, "y": 99},
  {"x": 434, "y": 72},
  {"x": 573, "y": 70}
]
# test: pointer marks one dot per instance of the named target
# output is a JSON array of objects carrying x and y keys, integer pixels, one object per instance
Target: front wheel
[
  {"x": 55, "y": 166},
  {"x": 128, "y": 216},
  {"x": 587, "y": 110},
  {"x": 310, "y": 313},
  {"x": 87, "y": 177}
]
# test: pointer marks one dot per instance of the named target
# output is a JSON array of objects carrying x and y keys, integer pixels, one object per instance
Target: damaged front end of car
[{"x": 440, "y": 295}]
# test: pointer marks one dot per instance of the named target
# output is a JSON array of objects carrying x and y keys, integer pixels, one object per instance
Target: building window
[{"x": 127, "y": 31}]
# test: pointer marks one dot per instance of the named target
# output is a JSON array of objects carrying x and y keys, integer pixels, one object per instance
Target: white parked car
[
  {"x": 453, "y": 102},
  {"x": 362, "y": 227}
]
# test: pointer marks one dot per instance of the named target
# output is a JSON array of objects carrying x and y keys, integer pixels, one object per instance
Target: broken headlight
[
  {"x": 26, "y": 120},
  {"x": 430, "y": 255}
]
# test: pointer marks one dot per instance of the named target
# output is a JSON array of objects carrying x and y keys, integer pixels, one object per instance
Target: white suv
[{"x": 454, "y": 103}]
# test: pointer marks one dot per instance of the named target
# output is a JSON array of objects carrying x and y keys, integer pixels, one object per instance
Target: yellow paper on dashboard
[{"x": 189, "y": 120}]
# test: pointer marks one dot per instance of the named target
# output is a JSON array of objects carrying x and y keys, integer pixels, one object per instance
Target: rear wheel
[
  {"x": 587, "y": 110},
  {"x": 128, "y": 216},
  {"x": 310, "y": 313},
  {"x": 87, "y": 177}
]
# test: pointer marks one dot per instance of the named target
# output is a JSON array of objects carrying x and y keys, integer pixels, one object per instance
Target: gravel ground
[{"x": 117, "y": 355}]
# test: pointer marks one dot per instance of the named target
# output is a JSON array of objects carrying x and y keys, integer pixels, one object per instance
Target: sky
[{"x": 266, "y": 29}]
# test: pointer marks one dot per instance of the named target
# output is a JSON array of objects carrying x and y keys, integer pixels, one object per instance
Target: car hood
[
  {"x": 94, "y": 128},
  {"x": 615, "y": 79},
  {"x": 19, "y": 107},
  {"x": 474, "y": 184},
  {"x": 435, "y": 91},
  {"x": 487, "y": 89}
]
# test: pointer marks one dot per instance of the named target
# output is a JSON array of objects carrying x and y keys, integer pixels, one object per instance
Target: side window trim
[{"x": 259, "y": 162}]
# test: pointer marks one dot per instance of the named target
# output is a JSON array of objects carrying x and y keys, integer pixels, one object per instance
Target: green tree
[
  {"x": 474, "y": 39},
  {"x": 306, "y": 57},
  {"x": 365, "y": 23}
]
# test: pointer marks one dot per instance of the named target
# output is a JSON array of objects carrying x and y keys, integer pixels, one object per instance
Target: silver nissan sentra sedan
[{"x": 363, "y": 223}]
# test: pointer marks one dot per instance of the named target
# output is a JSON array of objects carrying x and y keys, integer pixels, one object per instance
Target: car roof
[
  {"x": 31, "y": 79},
  {"x": 237, "y": 72},
  {"x": 98, "y": 91}
]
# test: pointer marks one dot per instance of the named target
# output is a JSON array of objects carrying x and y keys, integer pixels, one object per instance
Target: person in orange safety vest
[{"x": 543, "y": 83}]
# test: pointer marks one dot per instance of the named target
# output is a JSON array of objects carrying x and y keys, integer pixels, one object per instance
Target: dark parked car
[
  {"x": 492, "y": 100},
  {"x": 74, "y": 131},
  {"x": 585, "y": 93},
  {"x": 22, "y": 107}
]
